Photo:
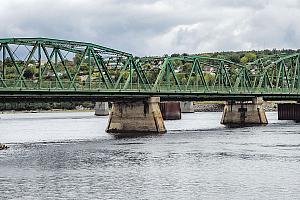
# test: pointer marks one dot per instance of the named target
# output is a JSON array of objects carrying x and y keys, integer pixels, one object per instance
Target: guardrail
[{"x": 96, "y": 86}]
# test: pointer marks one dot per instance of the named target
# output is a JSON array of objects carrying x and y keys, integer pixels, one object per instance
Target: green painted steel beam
[
  {"x": 62, "y": 43},
  {"x": 100, "y": 70}
]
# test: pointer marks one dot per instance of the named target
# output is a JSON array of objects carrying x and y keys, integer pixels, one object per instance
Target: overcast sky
[{"x": 149, "y": 27}]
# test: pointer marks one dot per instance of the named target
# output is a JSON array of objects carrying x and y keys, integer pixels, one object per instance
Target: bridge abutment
[
  {"x": 244, "y": 113},
  {"x": 136, "y": 118}
]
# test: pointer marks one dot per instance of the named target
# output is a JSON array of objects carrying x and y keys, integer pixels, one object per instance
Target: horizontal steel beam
[{"x": 21, "y": 96}]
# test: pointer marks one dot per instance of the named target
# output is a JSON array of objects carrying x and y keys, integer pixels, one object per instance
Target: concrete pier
[
  {"x": 101, "y": 109},
  {"x": 289, "y": 111},
  {"x": 170, "y": 110},
  {"x": 244, "y": 113},
  {"x": 187, "y": 107},
  {"x": 136, "y": 118}
]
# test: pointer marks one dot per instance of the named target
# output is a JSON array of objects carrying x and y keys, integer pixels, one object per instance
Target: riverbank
[
  {"x": 208, "y": 106},
  {"x": 46, "y": 111},
  {"x": 211, "y": 107},
  {"x": 219, "y": 106},
  {"x": 45, "y": 106}
]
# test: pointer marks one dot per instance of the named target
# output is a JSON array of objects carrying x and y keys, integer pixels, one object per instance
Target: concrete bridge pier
[
  {"x": 187, "y": 107},
  {"x": 244, "y": 113},
  {"x": 289, "y": 111},
  {"x": 136, "y": 118},
  {"x": 101, "y": 109},
  {"x": 170, "y": 110}
]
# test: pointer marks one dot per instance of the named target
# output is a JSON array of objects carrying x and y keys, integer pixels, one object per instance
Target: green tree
[
  {"x": 234, "y": 58},
  {"x": 77, "y": 58},
  {"x": 244, "y": 60},
  {"x": 29, "y": 72},
  {"x": 187, "y": 68},
  {"x": 209, "y": 78},
  {"x": 184, "y": 81},
  {"x": 249, "y": 57}
]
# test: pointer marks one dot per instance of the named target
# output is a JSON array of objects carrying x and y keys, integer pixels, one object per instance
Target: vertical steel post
[
  {"x": 3, "y": 63},
  {"x": 40, "y": 65},
  {"x": 168, "y": 75},
  {"x": 55, "y": 59},
  {"x": 90, "y": 69}
]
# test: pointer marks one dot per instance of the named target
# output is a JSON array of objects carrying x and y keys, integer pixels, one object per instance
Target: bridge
[{"x": 44, "y": 69}]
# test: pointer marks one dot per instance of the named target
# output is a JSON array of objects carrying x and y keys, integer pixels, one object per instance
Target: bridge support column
[
  {"x": 187, "y": 107},
  {"x": 101, "y": 109},
  {"x": 289, "y": 111},
  {"x": 244, "y": 113},
  {"x": 136, "y": 118},
  {"x": 170, "y": 110}
]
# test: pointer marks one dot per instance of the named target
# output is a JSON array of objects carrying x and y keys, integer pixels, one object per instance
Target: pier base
[
  {"x": 187, "y": 107},
  {"x": 243, "y": 114},
  {"x": 131, "y": 118},
  {"x": 101, "y": 109},
  {"x": 170, "y": 110},
  {"x": 289, "y": 111}
]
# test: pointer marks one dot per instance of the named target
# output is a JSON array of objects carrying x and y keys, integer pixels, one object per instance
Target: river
[{"x": 69, "y": 156}]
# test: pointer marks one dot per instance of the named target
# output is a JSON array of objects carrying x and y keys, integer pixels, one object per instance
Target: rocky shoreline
[
  {"x": 202, "y": 107},
  {"x": 208, "y": 107},
  {"x": 268, "y": 107}
]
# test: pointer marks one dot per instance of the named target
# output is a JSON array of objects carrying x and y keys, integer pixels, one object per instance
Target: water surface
[{"x": 69, "y": 156}]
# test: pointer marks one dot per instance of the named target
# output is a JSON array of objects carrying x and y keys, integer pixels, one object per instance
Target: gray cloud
[{"x": 147, "y": 27}]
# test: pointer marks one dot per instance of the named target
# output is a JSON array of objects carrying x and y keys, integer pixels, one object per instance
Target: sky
[{"x": 158, "y": 27}]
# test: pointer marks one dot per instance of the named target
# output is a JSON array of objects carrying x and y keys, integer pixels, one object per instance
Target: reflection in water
[{"x": 69, "y": 156}]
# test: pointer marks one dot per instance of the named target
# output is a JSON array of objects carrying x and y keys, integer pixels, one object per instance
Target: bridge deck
[{"x": 166, "y": 95}]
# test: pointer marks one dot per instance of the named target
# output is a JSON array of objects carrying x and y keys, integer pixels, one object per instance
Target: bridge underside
[{"x": 60, "y": 96}]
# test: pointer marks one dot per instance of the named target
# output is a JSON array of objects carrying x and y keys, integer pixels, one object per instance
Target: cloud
[{"x": 147, "y": 27}]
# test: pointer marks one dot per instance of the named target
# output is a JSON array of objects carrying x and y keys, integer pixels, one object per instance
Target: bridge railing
[
  {"x": 98, "y": 86},
  {"x": 51, "y": 85}
]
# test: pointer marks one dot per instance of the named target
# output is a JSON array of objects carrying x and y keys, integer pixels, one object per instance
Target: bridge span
[{"x": 44, "y": 69}]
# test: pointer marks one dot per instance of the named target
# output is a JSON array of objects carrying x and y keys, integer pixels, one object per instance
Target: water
[{"x": 69, "y": 156}]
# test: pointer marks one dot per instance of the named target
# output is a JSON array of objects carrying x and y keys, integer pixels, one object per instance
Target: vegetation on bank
[{"x": 20, "y": 106}]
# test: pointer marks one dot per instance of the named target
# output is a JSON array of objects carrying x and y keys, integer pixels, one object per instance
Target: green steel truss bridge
[{"x": 51, "y": 69}]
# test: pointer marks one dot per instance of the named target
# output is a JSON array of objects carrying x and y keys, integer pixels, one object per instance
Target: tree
[
  {"x": 244, "y": 60},
  {"x": 184, "y": 81},
  {"x": 77, "y": 58},
  {"x": 187, "y": 68},
  {"x": 175, "y": 55},
  {"x": 234, "y": 58},
  {"x": 209, "y": 78},
  {"x": 249, "y": 57},
  {"x": 29, "y": 72}
]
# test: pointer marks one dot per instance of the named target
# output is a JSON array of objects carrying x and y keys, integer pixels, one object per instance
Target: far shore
[
  {"x": 44, "y": 111},
  {"x": 205, "y": 106}
]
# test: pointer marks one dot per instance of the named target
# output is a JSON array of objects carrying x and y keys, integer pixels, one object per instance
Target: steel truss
[{"x": 61, "y": 65}]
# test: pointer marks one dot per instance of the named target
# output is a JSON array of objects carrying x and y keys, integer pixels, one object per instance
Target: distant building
[{"x": 209, "y": 69}]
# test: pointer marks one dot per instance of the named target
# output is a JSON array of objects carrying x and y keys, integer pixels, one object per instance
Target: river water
[{"x": 69, "y": 156}]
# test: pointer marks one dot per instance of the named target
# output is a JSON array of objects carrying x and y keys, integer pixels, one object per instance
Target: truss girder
[{"x": 62, "y": 65}]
